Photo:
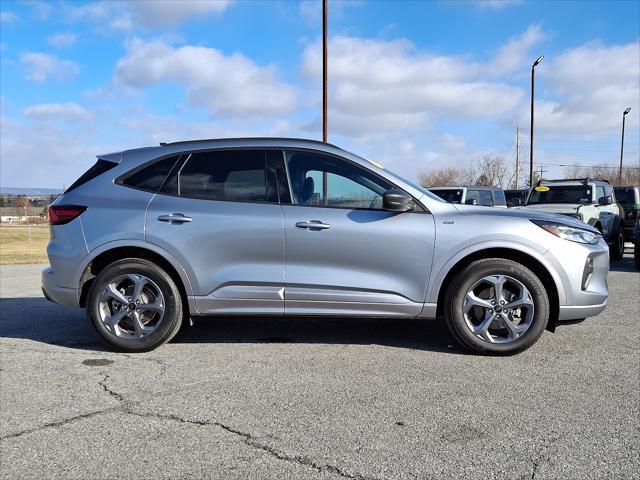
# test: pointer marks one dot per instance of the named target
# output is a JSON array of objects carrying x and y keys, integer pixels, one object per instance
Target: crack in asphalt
[
  {"x": 113, "y": 393},
  {"x": 254, "y": 443},
  {"x": 542, "y": 456},
  {"x": 59, "y": 423}
]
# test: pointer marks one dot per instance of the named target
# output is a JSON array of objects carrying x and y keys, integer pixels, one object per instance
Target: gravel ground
[{"x": 315, "y": 398}]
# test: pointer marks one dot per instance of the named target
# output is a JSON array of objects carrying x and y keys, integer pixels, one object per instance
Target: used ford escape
[{"x": 147, "y": 238}]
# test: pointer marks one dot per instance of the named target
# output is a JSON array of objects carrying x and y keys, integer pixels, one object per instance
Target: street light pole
[
  {"x": 624, "y": 114},
  {"x": 533, "y": 75}
]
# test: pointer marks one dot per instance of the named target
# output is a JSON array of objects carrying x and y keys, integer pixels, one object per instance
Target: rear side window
[
  {"x": 150, "y": 177},
  {"x": 499, "y": 197},
  {"x": 100, "y": 167},
  {"x": 231, "y": 175},
  {"x": 485, "y": 198}
]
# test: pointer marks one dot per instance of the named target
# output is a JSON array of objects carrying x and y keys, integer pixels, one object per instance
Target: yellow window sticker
[{"x": 541, "y": 188}]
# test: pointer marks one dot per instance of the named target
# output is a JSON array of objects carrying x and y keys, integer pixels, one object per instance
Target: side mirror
[
  {"x": 516, "y": 202},
  {"x": 396, "y": 200},
  {"x": 608, "y": 200},
  {"x": 471, "y": 201}
]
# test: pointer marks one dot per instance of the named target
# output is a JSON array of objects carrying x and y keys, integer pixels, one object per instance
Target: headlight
[{"x": 566, "y": 232}]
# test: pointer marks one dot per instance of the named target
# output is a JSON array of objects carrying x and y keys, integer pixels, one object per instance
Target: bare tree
[
  {"x": 23, "y": 202},
  {"x": 492, "y": 171},
  {"x": 448, "y": 176},
  {"x": 630, "y": 175}
]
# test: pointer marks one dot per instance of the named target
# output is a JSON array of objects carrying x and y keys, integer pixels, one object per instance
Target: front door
[
  {"x": 218, "y": 214},
  {"x": 345, "y": 255}
]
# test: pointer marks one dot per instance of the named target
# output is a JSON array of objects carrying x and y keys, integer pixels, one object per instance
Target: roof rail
[
  {"x": 583, "y": 180},
  {"x": 186, "y": 142}
]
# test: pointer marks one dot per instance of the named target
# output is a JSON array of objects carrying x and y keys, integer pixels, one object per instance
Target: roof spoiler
[{"x": 115, "y": 157}]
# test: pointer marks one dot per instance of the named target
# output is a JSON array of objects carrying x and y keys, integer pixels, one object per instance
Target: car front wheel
[
  {"x": 616, "y": 250},
  {"x": 496, "y": 307},
  {"x": 134, "y": 306}
]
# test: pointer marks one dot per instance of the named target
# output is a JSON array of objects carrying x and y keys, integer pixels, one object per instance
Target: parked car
[
  {"x": 516, "y": 198},
  {"x": 150, "y": 237},
  {"x": 636, "y": 242},
  {"x": 589, "y": 200},
  {"x": 629, "y": 200},
  {"x": 486, "y": 196}
]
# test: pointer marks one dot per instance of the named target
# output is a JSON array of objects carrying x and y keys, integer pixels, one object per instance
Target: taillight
[{"x": 61, "y": 214}]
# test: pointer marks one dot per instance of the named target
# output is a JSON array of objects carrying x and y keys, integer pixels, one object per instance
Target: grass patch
[{"x": 14, "y": 244}]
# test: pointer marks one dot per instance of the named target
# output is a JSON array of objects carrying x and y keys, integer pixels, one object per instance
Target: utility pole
[
  {"x": 624, "y": 114},
  {"x": 517, "y": 155},
  {"x": 533, "y": 77},
  {"x": 325, "y": 93},
  {"x": 542, "y": 172}
]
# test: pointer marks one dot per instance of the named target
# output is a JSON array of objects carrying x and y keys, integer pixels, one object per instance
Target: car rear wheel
[
  {"x": 134, "y": 306},
  {"x": 616, "y": 250},
  {"x": 636, "y": 254},
  {"x": 496, "y": 307}
]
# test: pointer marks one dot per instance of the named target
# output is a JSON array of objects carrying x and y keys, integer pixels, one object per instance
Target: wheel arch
[
  {"x": 532, "y": 263},
  {"x": 108, "y": 253}
]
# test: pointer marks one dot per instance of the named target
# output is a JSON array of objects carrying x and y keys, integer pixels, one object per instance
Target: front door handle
[
  {"x": 313, "y": 225},
  {"x": 175, "y": 218}
]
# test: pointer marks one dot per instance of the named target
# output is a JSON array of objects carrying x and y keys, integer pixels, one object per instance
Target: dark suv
[{"x": 629, "y": 200}]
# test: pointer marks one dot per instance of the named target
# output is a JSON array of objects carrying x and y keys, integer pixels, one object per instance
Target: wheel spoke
[
  {"x": 112, "y": 292},
  {"x": 114, "y": 319},
  {"x": 524, "y": 300},
  {"x": 498, "y": 282},
  {"x": 156, "y": 306},
  {"x": 482, "y": 330},
  {"x": 138, "y": 284},
  {"x": 472, "y": 300},
  {"x": 514, "y": 330}
]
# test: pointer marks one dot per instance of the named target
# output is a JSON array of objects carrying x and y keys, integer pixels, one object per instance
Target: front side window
[
  {"x": 231, "y": 175},
  {"x": 599, "y": 192},
  {"x": 472, "y": 197},
  {"x": 500, "y": 198},
  {"x": 319, "y": 180},
  {"x": 453, "y": 195}
]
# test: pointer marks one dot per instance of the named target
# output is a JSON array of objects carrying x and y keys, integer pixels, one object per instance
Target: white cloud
[
  {"x": 496, "y": 4},
  {"x": 515, "y": 54},
  {"x": 148, "y": 14},
  {"x": 40, "y": 66},
  {"x": 228, "y": 86},
  {"x": 591, "y": 85},
  {"x": 61, "y": 40},
  {"x": 41, "y": 9},
  {"x": 170, "y": 13},
  {"x": 58, "y": 111},
  {"x": 388, "y": 86},
  {"x": 8, "y": 17}
]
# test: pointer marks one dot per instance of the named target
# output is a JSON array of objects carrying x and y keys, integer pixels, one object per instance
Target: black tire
[
  {"x": 173, "y": 308},
  {"x": 636, "y": 254},
  {"x": 616, "y": 250},
  {"x": 467, "y": 277}
]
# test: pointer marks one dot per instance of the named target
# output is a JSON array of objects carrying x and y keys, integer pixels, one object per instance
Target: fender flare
[
  {"x": 437, "y": 280},
  {"x": 105, "y": 247}
]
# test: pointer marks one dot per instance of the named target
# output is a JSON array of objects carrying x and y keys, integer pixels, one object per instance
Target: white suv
[{"x": 590, "y": 200}]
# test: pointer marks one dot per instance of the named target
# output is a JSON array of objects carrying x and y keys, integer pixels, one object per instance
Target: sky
[{"x": 413, "y": 84}]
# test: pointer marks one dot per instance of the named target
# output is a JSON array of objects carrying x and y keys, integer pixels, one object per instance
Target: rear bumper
[
  {"x": 582, "y": 311},
  {"x": 55, "y": 293}
]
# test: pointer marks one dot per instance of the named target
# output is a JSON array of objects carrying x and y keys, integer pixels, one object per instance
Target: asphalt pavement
[{"x": 244, "y": 398}]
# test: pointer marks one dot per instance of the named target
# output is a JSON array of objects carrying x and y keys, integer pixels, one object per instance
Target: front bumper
[
  {"x": 55, "y": 293},
  {"x": 584, "y": 295}
]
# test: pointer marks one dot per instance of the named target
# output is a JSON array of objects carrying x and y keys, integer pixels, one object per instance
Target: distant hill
[{"x": 29, "y": 191}]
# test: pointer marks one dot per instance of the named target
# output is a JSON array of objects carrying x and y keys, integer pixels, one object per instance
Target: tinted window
[
  {"x": 500, "y": 198},
  {"x": 453, "y": 195},
  {"x": 472, "y": 195},
  {"x": 625, "y": 196},
  {"x": 347, "y": 185},
  {"x": 485, "y": 198},
  {"x": 96, "y": 169},
  {"x": 599, "y": 192},
  {"x": 151, "y": 177},
  {"x": 561, "y": 194},
  {"x": 233, "y": 175}
]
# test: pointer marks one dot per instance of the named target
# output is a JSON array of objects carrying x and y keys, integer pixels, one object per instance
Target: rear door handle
[
  {"x": 313, "y": 225},
  {"x": 176, "y": 218}
]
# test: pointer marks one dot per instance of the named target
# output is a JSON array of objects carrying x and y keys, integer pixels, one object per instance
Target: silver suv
[{"x": 151, "y": 237}]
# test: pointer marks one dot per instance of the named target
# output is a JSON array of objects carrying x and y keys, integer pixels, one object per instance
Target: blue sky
[{"x": 414, "y": 85}]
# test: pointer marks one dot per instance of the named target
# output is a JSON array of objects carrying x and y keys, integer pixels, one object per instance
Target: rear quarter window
[
  {"x": 150, "y": 177},
  {"x": 98, "y": 168}
]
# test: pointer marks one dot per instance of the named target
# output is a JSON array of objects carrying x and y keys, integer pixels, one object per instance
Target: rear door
[
  {"x": 218, "y": 214},
  {"x": 344, "y": 253}
]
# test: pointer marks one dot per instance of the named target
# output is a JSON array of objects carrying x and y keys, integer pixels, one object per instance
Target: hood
[
  {"x": 528, "y": 213},
  {"x": 553, "y": 207}
]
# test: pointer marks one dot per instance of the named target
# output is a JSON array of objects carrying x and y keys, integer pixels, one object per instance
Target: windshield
[
  {"x": 625, "y": 196},
  {"x": 452, "y": 195},
  {"x": 414, "y": 185},
  {"x": 561, "y": 194}
]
